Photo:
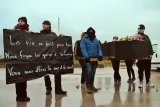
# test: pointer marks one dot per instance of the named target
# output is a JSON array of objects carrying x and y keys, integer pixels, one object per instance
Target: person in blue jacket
[{"x": 91, "y": 48}]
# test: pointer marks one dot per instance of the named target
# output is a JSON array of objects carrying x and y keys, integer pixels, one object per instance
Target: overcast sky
[{"x": 107, "y": 17}]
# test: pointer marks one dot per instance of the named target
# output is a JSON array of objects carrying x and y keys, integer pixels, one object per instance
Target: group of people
[
  {"x": 89, "y": 47},
  {"x": 21, "y": 88}
]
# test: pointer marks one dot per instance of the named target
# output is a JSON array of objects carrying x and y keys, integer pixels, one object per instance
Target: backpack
[{"x": 77, "y": 49}]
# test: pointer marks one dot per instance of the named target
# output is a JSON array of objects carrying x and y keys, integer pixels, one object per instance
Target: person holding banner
[
  {"x": 58, "y": 87},
  {"x": 21, "y": 88},
  {"x": 115, "y": 65},
  {"x": 79, "y": 56},
  {"x": 145, "y": 64},
  {"x": 91, "y": 48}
]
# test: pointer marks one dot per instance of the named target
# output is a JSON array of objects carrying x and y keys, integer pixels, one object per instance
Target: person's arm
[
  {"x": 75, "y": 46},
  {"x": 75, "y": 51},
  {"x": 83, "y": 48}
]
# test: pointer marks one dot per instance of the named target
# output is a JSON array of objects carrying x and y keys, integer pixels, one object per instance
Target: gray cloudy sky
[{"x": 108, "y": 17}]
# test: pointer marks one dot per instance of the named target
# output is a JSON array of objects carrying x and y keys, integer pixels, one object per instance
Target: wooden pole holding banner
[
  {"x": 109, "y": 58},
  {"x": 94, "y": 59},
  {"x": 58, "y": 25}
]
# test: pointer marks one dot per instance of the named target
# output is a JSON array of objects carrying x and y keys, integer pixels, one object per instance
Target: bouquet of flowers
[
  {"x": 137, "y": 37},
  {"x": 127, "y": 38}
]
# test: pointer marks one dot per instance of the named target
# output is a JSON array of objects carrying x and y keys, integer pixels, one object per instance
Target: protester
[
  {"x": 130, "y": 70},
  {"x": 21, "y": 88},
  {"x": 115, "y": 65},
  {"x": 145, "y": 64},
  {"x": 90, "y": 48},
  {"x": 58, "y": 86},
  {"x": 79, "y": 56}
]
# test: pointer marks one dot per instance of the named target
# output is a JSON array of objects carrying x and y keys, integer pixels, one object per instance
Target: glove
[
  {"x": 87, "y": 60},
  {"x": 100, "y": 58}
]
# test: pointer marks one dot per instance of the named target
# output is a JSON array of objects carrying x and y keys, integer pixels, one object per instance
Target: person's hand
[
  {"x": 87, "y": 60},
  {"x": 100, "y": 58}
]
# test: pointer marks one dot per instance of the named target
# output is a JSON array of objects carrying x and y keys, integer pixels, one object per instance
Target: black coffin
[
  {"x": 126, "y": 50},
  {"x": 104, "y": 48},
  {"x": 140, "y": 49}
]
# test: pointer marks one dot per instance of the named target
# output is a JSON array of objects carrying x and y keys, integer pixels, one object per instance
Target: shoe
[
  {"x": 94, "y": 89},
  {"x": 48, "y": 92},
  {"x": 140, "y": 84},
  {"x": 149, "y": 84},
  {"x": 25, "y": 99},
  {"x": 61, "y": 92},
  {"x": 89, "y": 90},
  {"x": 133, "y": 79},
  {"x": 129, "y": 80}
]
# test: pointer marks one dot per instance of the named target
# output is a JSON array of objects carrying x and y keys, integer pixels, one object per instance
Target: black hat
[
  {"x": 90, "y": 28},
  {"x": 23, "y": 19},
  {"x": 141, "y": 26},
  {"x": 46, "y": 22},
  {"x": 115, "y": 37}
]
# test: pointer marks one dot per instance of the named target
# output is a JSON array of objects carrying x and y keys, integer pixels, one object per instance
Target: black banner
[{"x": 32, "y": 55}]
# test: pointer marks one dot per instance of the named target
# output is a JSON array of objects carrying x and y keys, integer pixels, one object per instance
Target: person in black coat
[
  {"x": 21, "y": 88},
  {"x": 58, "y": 86},
  {"x": 145, "y": 64},
  {"x": 115, "y": 65}
]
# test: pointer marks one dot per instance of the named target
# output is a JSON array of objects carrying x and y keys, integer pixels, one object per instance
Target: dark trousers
[
  {"x": 144, "y": 65},
  {"x": 21, "y": 89},
  {"x": 90, "y": 72},
  {"x": 129, "y": 64},
  {"x": 81, "y": 61},
  {"x": 57, "y": 81},
  {"x": 115, "y": 65}
]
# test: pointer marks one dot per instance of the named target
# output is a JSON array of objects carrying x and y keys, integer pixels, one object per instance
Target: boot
[
  {"x": 140, "y": 84},
  {"x": 61, "y": 92},
  {"x": 48, "y": 92},
  {"x": 129, "y": 80},
  {"x": 89, "y": 90},
  {"x": 93, "y": 88},
  {"x": 133, "y": 79}
]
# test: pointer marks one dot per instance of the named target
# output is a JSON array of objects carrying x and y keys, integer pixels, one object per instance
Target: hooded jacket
[{"x": 90, "y": 48}]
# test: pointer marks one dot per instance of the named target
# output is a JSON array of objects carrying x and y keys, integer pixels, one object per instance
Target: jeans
[
  {"x": 90, "y": 72},
  {"x": 144, "y": 65},
  {"x": 82, "y": 63}
]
